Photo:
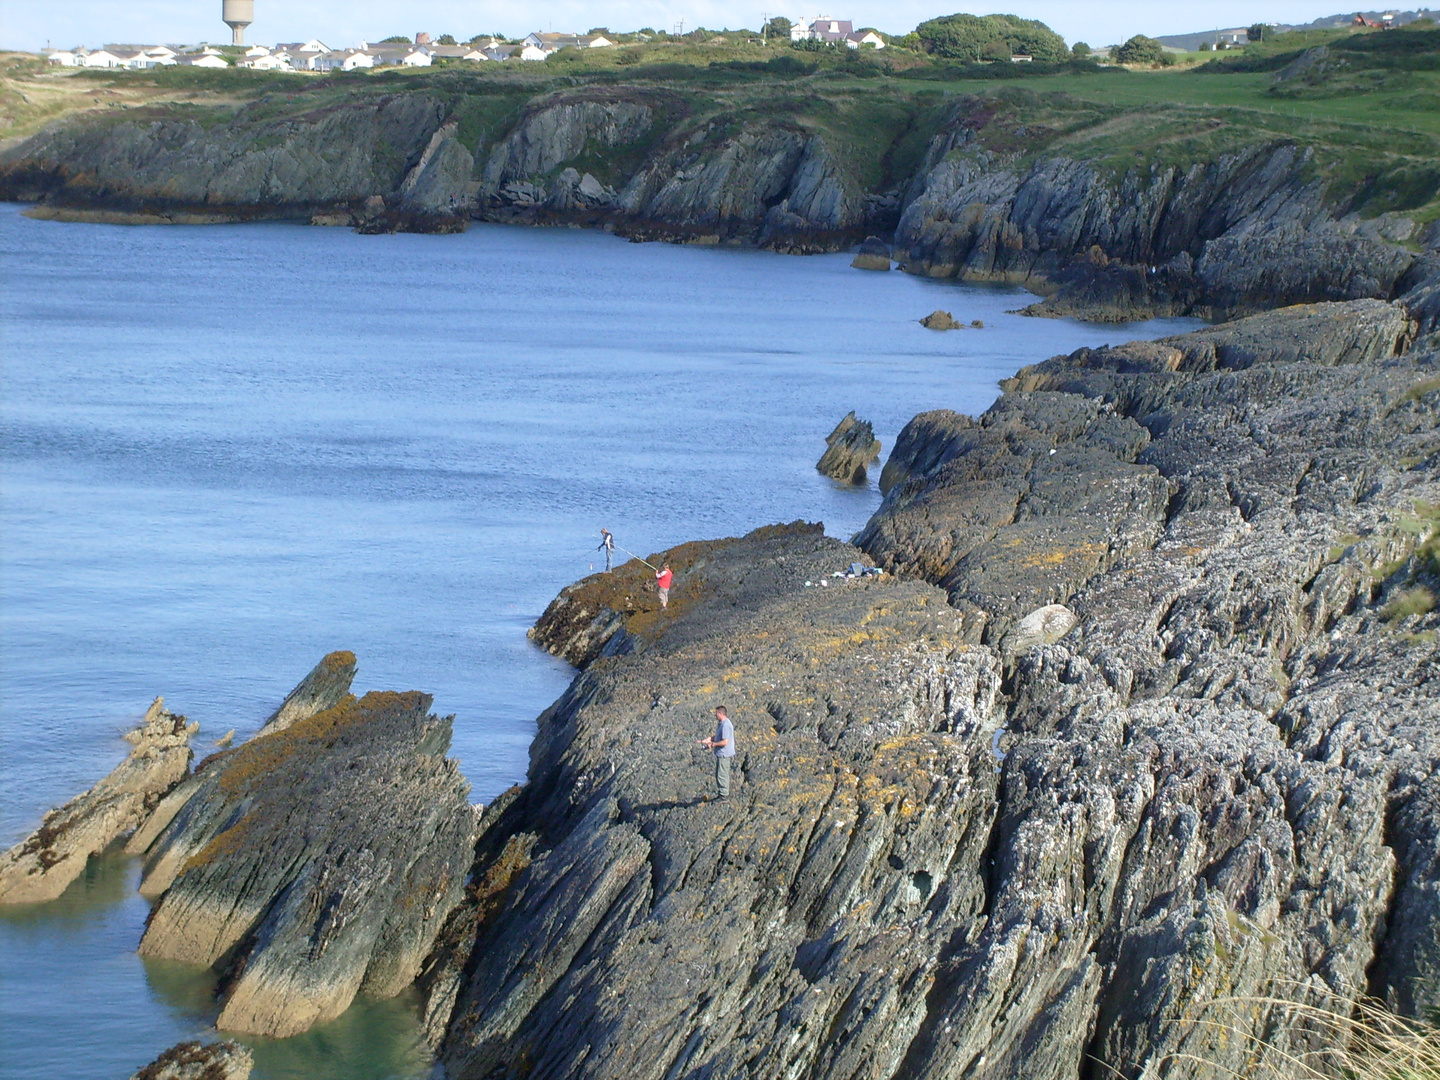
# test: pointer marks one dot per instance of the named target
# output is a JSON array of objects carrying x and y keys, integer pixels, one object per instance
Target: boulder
[
  {"x": 1043, "y": 626},
  {"x": 940, "y": 320},
  {"x": 40, "y": 867},
  {"x": 226, "y": 1060},
  {"x": 850, "y": 450},
  {"x": 874, "y": 254},
  {"x": 316, "y": 861}
]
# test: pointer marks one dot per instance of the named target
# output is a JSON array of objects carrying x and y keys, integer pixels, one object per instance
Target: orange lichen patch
[
  {"x": 221, "y": 844},
  {"x": 339, "y": 660},
  {"x": 259, "y": 757},
  {"x": 1060, "y": 555}
]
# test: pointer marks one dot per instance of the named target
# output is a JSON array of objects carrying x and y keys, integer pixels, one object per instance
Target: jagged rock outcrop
[
  {"x": 324, "y": 688},
  {"x": 200, "y": 1061},
  {"x": 41, "y": 866},
  {"x": 940, "y": 320},
  {"x": 874, "y": 254},
  {"x": 1247, "y": 231},
  {"x": 1209, "y": 781},
  {"x": 850, "y": 449},
  {"x": 317, "y": 860}
]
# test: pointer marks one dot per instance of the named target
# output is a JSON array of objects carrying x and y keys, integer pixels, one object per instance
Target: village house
[
  {"x": 266, "y": 61},
  {"x": 550, "y": 43},
  {"x": 472, "y": 53},
  {"x": 834, "y": 32},
  {"x": 203, "y": 60},
  {"x": 66, "y": 57}
]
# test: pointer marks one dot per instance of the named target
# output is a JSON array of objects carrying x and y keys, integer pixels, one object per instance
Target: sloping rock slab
[
  {"x": 315, "y": 862},
  {"x": 40, "y": 867}
]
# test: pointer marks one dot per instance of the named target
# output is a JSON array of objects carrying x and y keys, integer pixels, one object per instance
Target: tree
[
  {"x": 446, "y": 39},
  {"x": 995, "y": 50},
  {"x": 778, "y": 27},
  {"x": 1259, "y": 32},
  {"x": 1205, "y": 46},
  {"x": 963, "y": 37},
  {"x": 396, "y": 39},
  {"x": 1140, "y": 50},
  {"x": 1080, "y": 49}
]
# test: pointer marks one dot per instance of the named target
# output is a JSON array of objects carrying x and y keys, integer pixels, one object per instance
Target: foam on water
[{"x": 229, "y": 450}]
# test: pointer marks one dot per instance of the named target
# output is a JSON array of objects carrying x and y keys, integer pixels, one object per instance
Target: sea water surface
[{"x": 228, "y": 450}]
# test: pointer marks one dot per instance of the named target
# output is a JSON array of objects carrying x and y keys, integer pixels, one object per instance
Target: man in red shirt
[{"x": 663, "y": 577}]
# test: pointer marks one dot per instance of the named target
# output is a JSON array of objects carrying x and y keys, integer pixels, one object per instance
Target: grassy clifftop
[{"x": 1369, "y": 104}]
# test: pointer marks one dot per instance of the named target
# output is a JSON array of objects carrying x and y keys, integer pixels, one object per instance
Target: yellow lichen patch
[
  {"x": 338, "y": 660},
  {"x": 220, "y": 844},
  {"x": 730, "y": 676},
  {"x": 1061, "y": 555}
]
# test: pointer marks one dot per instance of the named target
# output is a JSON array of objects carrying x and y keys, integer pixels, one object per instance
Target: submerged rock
[
  {"x": 849, "y": 450},
  {"x": 200, "y": 1061},
  {"x": 316, "y": 861},
  {"x": 40, "y": 867},
  {"x": 874, "y": 254}
]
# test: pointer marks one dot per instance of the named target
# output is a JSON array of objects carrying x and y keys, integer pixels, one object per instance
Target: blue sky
[{"x": 29, "y": 24}]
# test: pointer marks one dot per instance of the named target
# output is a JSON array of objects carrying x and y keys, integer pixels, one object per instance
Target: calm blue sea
[{"x": 229, "y": 450}]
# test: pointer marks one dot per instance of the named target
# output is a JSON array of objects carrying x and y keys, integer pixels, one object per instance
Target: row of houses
[
  {"x": 138, "y": 57},
  {"x": 315, "y": 55}
]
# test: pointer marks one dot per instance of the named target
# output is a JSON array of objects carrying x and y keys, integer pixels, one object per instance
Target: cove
[{"x": 229, "y": 450}]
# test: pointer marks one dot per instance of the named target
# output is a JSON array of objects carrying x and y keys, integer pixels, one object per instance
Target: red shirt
[{"x": 663, "y": 579}]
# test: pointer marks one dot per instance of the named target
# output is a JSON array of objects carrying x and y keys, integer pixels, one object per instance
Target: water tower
[{"x": 238, "y": 14}]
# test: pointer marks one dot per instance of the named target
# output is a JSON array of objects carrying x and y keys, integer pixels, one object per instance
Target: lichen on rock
[{"x": 40, "y": 867}]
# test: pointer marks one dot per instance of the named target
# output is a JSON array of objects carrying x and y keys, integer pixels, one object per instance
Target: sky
[{"x": 30, "y": 24}]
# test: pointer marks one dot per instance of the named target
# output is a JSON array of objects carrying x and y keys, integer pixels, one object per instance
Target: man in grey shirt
[{"x": 723, "y": 743}]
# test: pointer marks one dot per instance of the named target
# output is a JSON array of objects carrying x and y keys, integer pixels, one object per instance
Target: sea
[{"x": 228, "y": 450}]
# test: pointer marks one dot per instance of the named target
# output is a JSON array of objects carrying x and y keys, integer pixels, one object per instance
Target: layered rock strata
[
  {"x": 314, "y": 862},
  {"x": 979, "y": 834},
  {"x": 200, "y": 1061},
  {"x": 850, "y": 450},
  {"x": 45, "y": 863}
]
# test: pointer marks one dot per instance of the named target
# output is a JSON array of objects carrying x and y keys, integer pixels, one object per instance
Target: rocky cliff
[
  {"x": 1109, "y": 214},
  {"x": 1117, "y": 834}
]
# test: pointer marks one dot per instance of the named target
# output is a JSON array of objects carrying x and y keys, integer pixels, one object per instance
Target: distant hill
[{"x": 1191, "y": 42}]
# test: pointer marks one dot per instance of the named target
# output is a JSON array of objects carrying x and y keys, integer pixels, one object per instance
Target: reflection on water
[
  {"x": 372, "y": 1040},
  {"x": 109, "y": 879},
  {"x": 86, "y": 939}
]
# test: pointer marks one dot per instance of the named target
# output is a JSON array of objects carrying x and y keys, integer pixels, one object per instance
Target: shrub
[
  {"x": 964, "y": 37},
  {"x": 1141, "y": 50},
  {"x": 1080, "y": 49}
]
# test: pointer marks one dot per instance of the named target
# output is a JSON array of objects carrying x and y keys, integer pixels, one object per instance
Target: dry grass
[{"x": 1368, "y": 1043}]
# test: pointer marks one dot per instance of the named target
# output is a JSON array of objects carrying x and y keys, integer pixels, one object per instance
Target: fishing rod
[{"x": 632, "y": 554}]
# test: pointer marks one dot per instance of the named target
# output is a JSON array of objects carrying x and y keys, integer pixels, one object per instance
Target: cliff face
[
  {"x": 254, "y": 164},
  {"x": 1243, "y": 232},
  {"x": 1104, "y": 218},
  {"x": 963, "y": 843}
]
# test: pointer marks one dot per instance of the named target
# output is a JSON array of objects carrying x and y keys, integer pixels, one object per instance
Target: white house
[
  {"x": 103, "y": 58},
  {"x": 864, "y": 37},
  {"x": 204, "y": 60},
  {"x": 344, "y": 60},
  {"x": 822, "y": 28},
  {"x": 257, "y": 50},
  {"x": 65, "y": 57},
  {"x": 473, "y": 53},
  {"x": 418, "y": 56},
  {"x": 266, "y": 62},
  {"x": 555, "y": 42},
  {"x": 313, "y": 47}
]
